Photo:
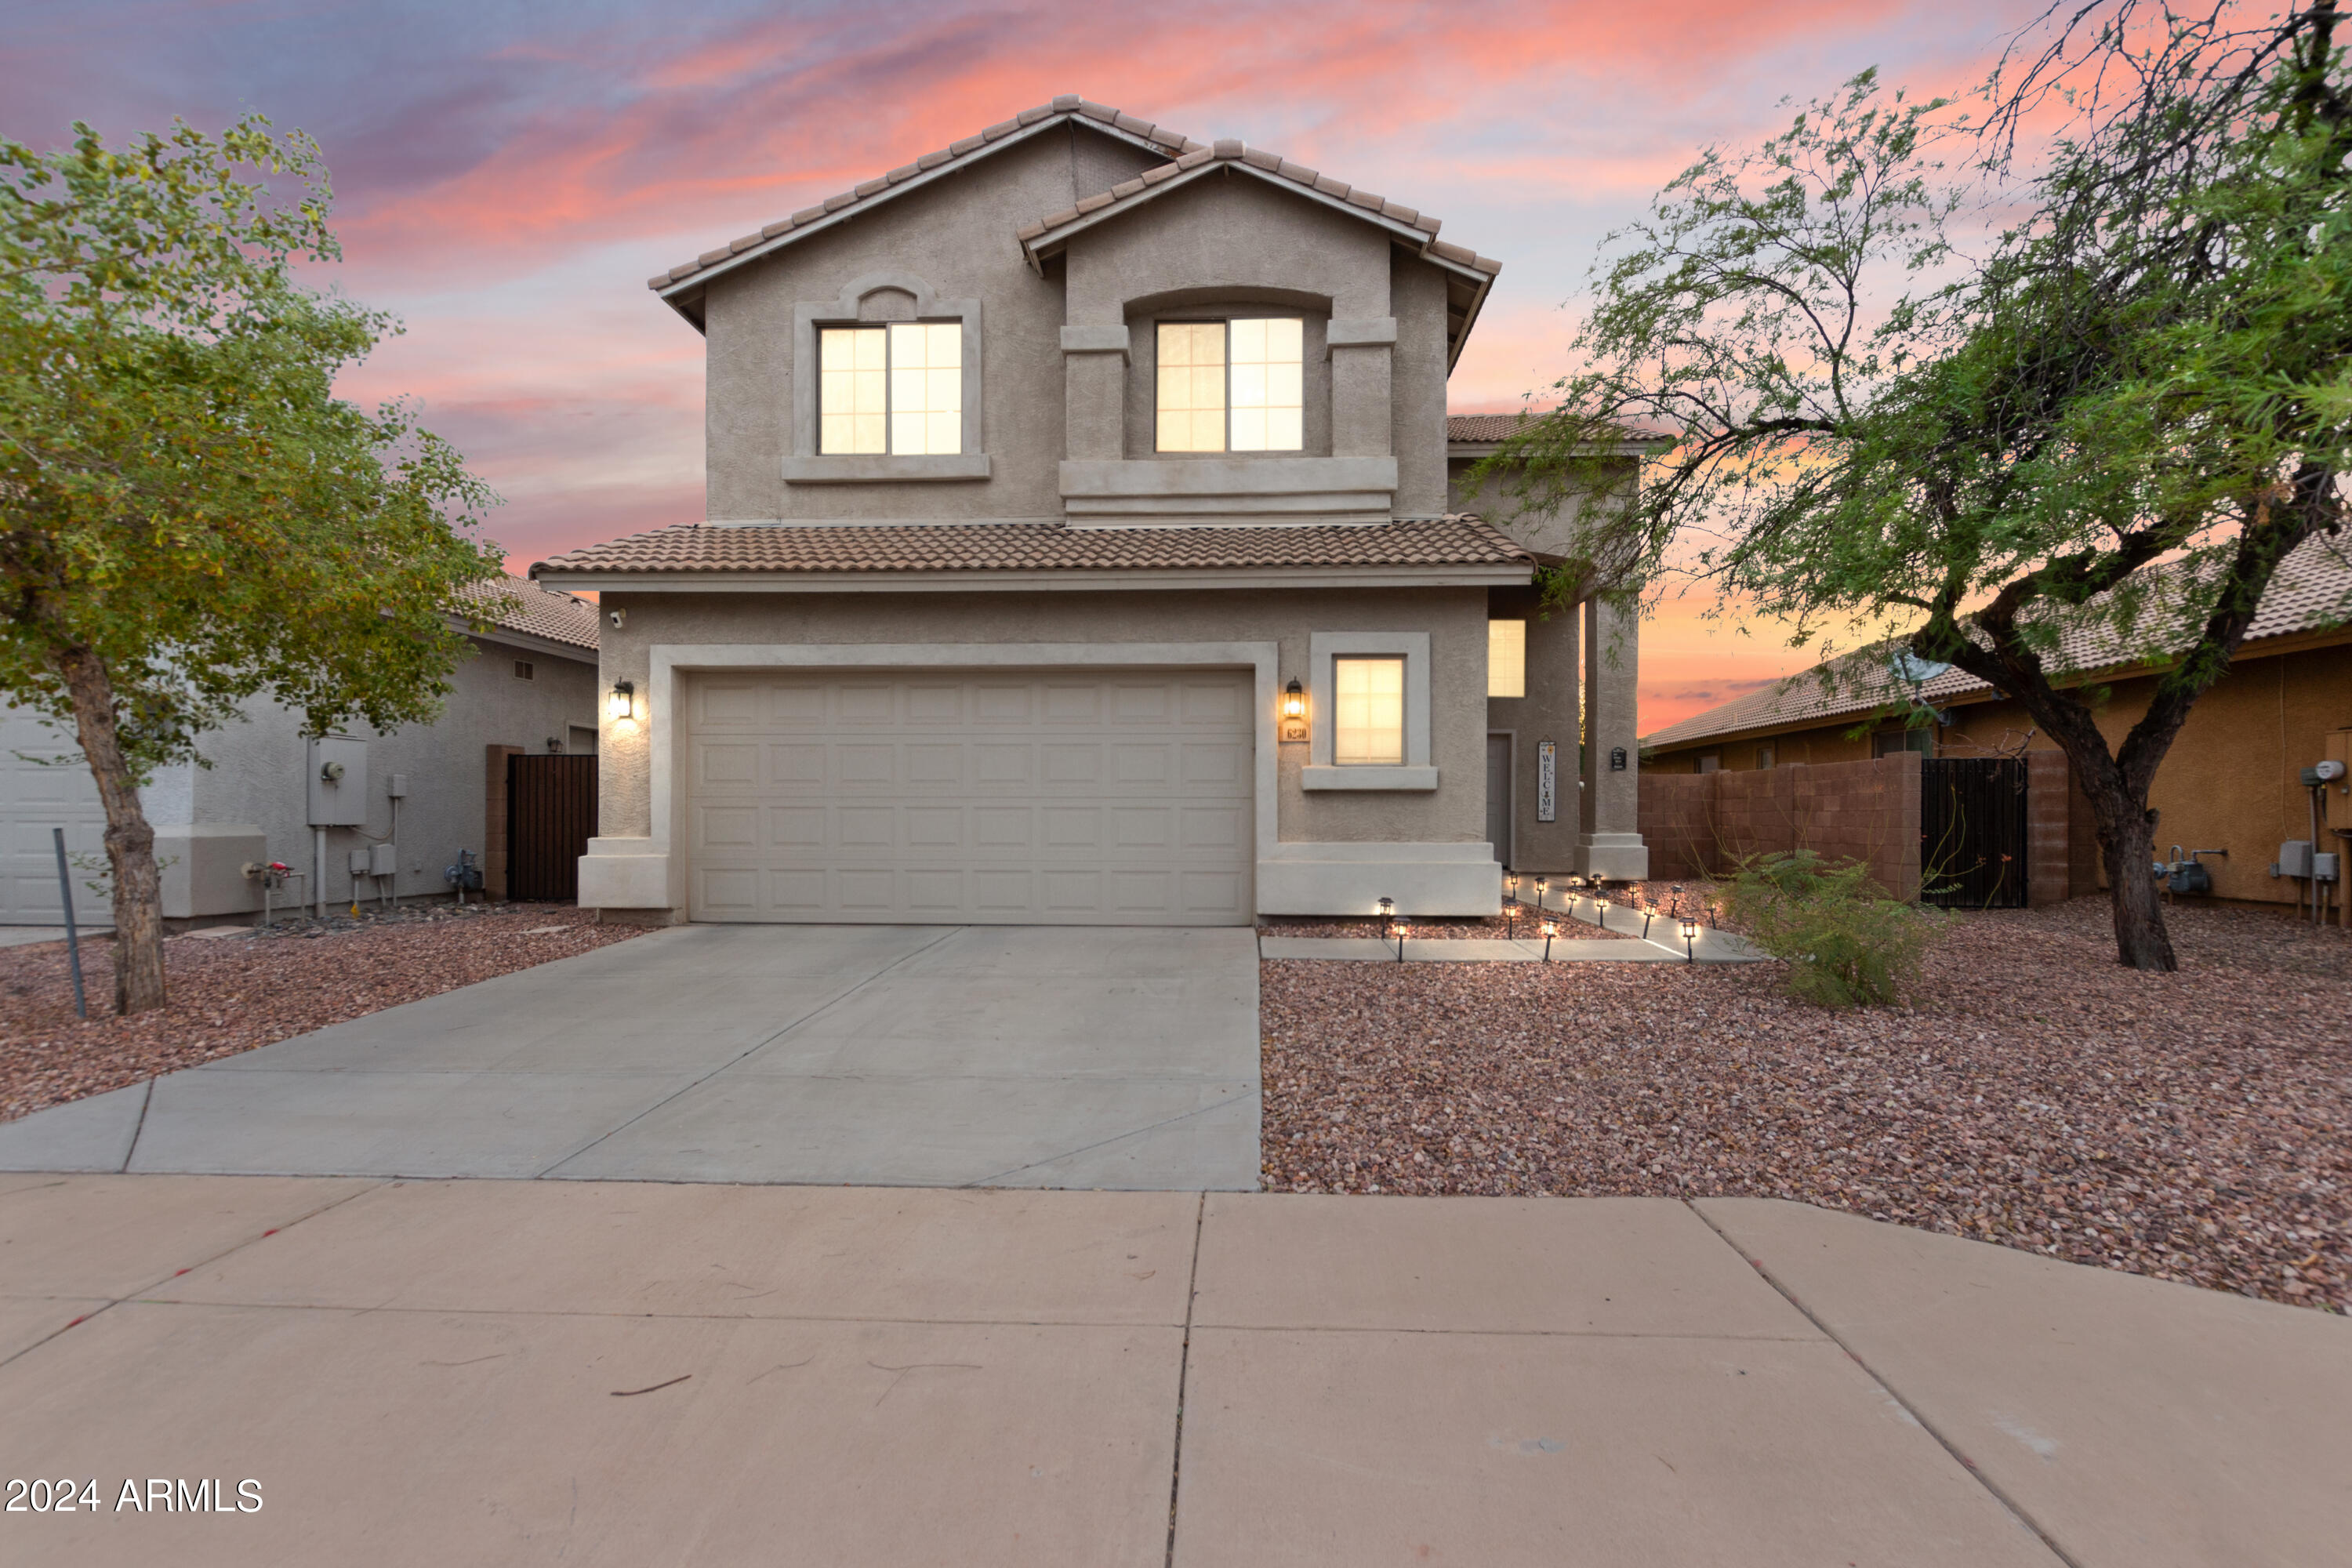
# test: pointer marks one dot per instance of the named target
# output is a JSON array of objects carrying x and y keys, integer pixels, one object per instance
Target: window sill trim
[
  {"x": 1356, "y": 777},
  {"x": 878, "y": 468}
]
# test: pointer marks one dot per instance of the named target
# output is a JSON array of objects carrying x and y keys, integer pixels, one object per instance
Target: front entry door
[{"x": 1498, "y": 796}]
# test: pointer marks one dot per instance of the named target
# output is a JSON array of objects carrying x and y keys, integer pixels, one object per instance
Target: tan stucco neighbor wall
[{"x": 2231, "y": 780}]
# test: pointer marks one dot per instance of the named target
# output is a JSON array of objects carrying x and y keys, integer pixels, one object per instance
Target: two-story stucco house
[{"x": 1079, "y": 551}]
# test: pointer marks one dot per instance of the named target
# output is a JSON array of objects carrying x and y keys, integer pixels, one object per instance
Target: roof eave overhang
[
  {"x": 684, "y": 295},
  {"x": 1628, "y": 448},
  {"x": 1418, "y": 240},
  {"x": 507, "y": 636},
  {"x": 1057, "y": 579},
  {"x": 2253, "y": 648}
]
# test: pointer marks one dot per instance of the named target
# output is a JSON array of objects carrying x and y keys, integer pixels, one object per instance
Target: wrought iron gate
[
  {"x": 1973, "y": 832},
  {"x": 550, "y": 816}
]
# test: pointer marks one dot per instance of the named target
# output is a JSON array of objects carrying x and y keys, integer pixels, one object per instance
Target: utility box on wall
[{"x": 338, "y": 791}]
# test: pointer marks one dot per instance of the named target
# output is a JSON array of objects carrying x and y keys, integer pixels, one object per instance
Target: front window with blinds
[
  {"x": 1368, "y": 730},
  {"x": 1232, "y": 386},
  {"x": 897, "y": 389}
]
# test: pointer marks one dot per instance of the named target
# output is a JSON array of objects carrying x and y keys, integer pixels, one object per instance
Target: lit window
[
  {"x": 1192, "y": 386},
  {"x": 1268, "y": 384},
  {"x": 895, "y": 389},
  {"x": 1368, "y": 728},
  {"x": 1507, "y": 658},
  {"x": 1231, "y": 385},
  {"x": 926, "y": 387}
]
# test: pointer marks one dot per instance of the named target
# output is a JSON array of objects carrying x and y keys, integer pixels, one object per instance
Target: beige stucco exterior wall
[
  {"x": 1550, "y": 711},
  {"x": 957, "y": 236},
  {"x": 1454, "y": 619}
]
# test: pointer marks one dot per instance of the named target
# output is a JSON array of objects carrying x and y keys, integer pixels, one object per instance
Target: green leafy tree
[
  {"x": 2044, "y": 426},
  {"x": 188, "y": 516}
]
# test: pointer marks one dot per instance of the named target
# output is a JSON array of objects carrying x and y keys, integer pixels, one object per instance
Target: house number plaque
[{"x": 1546, "y": 770}]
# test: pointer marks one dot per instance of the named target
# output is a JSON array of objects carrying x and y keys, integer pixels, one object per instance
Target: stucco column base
[
  {"x": 1306, "y": 879},
  {"x": 627, "y": 875},
  {"x": 202, "y": 869},
  {"x": 1615, "y": 856}
]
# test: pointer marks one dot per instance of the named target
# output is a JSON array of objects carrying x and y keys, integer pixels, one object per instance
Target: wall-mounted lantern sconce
[
  {"x": 1294, "y": 711},
  {"x": 623, "y": 704}
]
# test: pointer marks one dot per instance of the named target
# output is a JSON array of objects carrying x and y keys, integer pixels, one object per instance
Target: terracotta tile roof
[
  {"x": 519, "y": 604},
  {"x": 1459, "y": 540},
  {"x": 1273, "y": 164},
  {"x": 1068, "y": 106},
  {"x": 2311, "y": 592}
]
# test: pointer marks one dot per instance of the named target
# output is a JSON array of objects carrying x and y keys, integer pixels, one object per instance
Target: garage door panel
[
  {"x": 1070, "y": 795},
  {"x": 935, "y": 704},
  {"x": 45, "y": 785},
  {"x": 1003, "y": 703},
  {"x": 799, "y": 763},
  {"x": 934, "y": 762}
]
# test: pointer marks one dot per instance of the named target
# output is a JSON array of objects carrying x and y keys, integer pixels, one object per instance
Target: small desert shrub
[{"x": 1847, "y": 944}]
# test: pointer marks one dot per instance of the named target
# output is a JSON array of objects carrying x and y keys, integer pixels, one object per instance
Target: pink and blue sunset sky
[{"x": 507, "y": 176}]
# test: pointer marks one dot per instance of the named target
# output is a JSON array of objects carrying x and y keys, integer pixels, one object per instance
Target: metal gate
[
  {"x": 550, "y": 816},
  {"x": 1973, "y": 832}
]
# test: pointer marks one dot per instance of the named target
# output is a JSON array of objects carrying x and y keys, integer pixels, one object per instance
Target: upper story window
[
  {"x": 896, "y": 389},
  {"x": 1232, "y": 386},
  {"x": 1368, "y": 727}
]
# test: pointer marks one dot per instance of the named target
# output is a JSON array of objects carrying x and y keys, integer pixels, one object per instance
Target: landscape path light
[
  {"x": 1549, "y": 930},
  {"x": 1511, "y": 904},
  {"x": 1541, "y": 883},
  {"x": 1388, "y": 920},
  {"x": 1690, "y": 939}
]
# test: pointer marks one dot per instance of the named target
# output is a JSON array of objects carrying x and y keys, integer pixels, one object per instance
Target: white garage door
[
  {"x": 38, "y": 794},
  {"x": 1069, "y": 797}
]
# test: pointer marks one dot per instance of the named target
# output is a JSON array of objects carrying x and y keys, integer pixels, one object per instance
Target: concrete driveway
[{"x": 927, "y": 1056}]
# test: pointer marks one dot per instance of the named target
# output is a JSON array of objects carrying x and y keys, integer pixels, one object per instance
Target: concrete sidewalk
[{"x": 631, "y": 1373}]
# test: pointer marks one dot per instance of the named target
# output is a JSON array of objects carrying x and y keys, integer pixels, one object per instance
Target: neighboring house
[
  {"x": 1079, "y": 550},
  {"x": 532, "y": 687},
  {"x": 2233, "y": 779}
]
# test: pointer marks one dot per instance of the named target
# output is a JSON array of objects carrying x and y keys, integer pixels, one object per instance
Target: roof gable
[
  {"x": 1471, "y": 276},
  {"x": 681, "y": 286}
]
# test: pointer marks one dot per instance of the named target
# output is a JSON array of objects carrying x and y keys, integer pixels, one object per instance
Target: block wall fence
[{"x": 1700, "y": 825}]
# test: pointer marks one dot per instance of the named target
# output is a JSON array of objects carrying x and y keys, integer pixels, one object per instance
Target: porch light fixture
[
  {"x": 1294, "y": 711},
  {"x": 624, "y": 703}
]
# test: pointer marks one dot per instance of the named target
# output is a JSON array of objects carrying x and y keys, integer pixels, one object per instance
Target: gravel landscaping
[
  {"x": 232, "y": 992},
  {"x": 2195, "y": 1126}
]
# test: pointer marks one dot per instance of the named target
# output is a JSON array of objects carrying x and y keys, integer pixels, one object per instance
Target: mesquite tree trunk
[
  {"x": 129, "y": 841},
  {"x": 2127, "y": 853}
]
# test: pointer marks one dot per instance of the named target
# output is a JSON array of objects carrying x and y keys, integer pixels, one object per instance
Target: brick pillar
[
  {"x": 2049, "y": 858},
  {"x": 494, "y": 819}
]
